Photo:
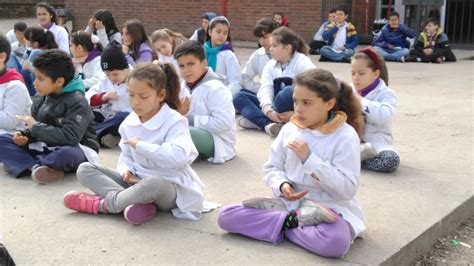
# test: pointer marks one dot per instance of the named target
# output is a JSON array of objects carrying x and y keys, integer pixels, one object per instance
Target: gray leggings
[
  {"x": 118, "y": 195},
  {"x": 385, "y": 161}
]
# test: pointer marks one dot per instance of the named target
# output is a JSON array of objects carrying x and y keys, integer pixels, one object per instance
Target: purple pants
[
  {"x": 327, "y": 240},
  {"x": 19, "y": 159}
]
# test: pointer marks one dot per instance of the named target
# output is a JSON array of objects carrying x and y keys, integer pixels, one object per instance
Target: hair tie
[
  {"x": 95, "y": 39},
  {"x": 369, "y": 52},
  {"x": 219, "y": 19}
]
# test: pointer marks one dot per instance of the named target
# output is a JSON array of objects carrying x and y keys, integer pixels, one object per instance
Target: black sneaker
[{"x": 323, "y": 59}]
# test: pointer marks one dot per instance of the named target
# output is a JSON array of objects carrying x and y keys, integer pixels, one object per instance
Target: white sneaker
[
  {"x": 265, "y": 203},
  {"x": 273, "y": 129},
  {"x": 312, "y": 213},
  {"x": 110, "y": 140},
  {"x": 367, "y": 151},
  {"x": 245, "y": 123}
]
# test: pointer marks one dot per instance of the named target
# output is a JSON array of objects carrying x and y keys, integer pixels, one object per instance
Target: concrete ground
[{"x": 405, "y": 211}]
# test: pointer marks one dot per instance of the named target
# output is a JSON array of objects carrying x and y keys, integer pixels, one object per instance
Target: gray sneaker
[
  {"x": 265, "y": 203},
  {"x": 273, "y": 129},
  {"x": 245, "y": 123},
  {"x": 44, "y": 174},
  {"x": 312, "y": 213},
  {"x": 367, "y": 151},
  {"x": 110, "y": 140}
]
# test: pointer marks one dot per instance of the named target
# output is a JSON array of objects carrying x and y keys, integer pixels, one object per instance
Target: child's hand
[
  {"x": 130, "y": 178},
  {"x": 285, "y": 116},
  {"x": 26, "y": 64},
  {"x": 390, "y": 46},
  {"x": 99, "y": 25},
  {"x": 272, "y": 115},
  {"x": 19, "y": 139},
  {"x": 132, "y": 142},
  {"x": 125, "y": 49},
  {"x": 111, "y": 95},
  {"x": 28, "y": 120},
  {"x": 91, "y": 23},
  {"x": 290, "y": 194},
  {"x": 300, "y": 148},
  {"x": 185, "y": 104}
]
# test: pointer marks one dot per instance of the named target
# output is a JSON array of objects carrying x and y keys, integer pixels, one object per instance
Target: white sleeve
[
  {"x": 15, "y": 100},
  {"x": 117, "y": 37},
  {"x": 125, "y": 160},
  {"x": 103, "y": 38},
  {"x": 95, "y": 89},
  {"x": 274, "y": 168},
  {"x": 221, "y": 112},
  {"x": 194, "y": 37},
  {"x": 266, "y": 92},
  {"x": 248, "y": 74},
  {"x": 380, "y": 112},
  {"x": 234, "y": 76},
  {"x": 89, "y": 30},
  {"x": 63, "y": 39},
  {"x": 318, "y": 36},
  {"x": 97, "y": 74},
  {"x": 175, "y": 152},
  {"x": 340, "y": 176}
]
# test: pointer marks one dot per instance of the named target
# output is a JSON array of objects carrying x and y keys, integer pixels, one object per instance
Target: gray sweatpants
[{"x": 118, "y": 195}]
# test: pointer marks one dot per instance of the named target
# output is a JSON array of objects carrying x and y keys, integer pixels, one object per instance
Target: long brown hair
[
  {"x": 327, "y": 87},
  {"x": 285, "y": 35},
  {"x": 160, "y": 76},
  {"x": 167, "y": 35},
  {"x": 373, "y": 62},
  {"x": 138, "y": 35}
]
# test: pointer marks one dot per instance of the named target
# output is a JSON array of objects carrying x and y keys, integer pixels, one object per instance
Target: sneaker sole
[
  {"x": 264, "y": 203},
  {"x": 45, "y": 175},
  {"x": 138, "y": 214}
]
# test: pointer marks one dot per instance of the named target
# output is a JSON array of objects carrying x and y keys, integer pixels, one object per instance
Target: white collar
[{"x": 153, "y": 123}]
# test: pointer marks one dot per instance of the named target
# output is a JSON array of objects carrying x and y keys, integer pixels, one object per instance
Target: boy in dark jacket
[
  {"x": 432, "y": 45},
  {"x": 60, "y": 134},
  {"x": 392, "y": 42}
]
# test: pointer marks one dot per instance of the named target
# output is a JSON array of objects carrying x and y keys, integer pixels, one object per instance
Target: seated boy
[
  {"x": 392, "y": 42},
  {"x": 60, "y": 134},
  {"x": 208, "y": 105},
  {"x": 432, "y": 45},
  {"x": 14, "y": 97},
  {"x": 341, "y": 37},
  {"x": 318, "y": 41}
]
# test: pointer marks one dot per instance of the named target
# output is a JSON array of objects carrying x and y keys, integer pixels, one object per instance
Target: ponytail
[
  {"x": 326, "y": 86},
  {"x": 287, "y": 36},
  {"x": 44, "y": 37},
  {"x": 160, "y": 76}
]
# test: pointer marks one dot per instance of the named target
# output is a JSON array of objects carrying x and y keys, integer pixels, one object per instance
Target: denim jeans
[
  {"x": 330, "y": 54},
  {"x": 392, "y": 55}
]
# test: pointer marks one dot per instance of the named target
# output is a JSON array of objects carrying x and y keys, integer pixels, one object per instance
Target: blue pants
[
  {"x": 18, "y": 159},
  {"x": 109, "y": 126},
  {"x": 392, "y": 55},
  {"x": 327, "y": 52},
  {"x": 248, "y": 105},
  {"x": 27, "y": 75}
]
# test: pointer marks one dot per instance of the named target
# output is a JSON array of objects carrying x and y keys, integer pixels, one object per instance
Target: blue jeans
[
  {"x": 392, "y": 55},
  {"x": 248, "y": 105},
  {"x": 330, "y": 54},
  {"x": 27, "y": 75}
]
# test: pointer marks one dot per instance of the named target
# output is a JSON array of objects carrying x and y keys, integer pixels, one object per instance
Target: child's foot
[
  {"x": 273, "y": 129},
  {"x": 110, "y": 140},
  {"x": 367, "y": 151},
  {"x": 139, "y": 213},
  {"x": 245, "y": 123},
  {"x": 312, "y": 213},
  {"x": 265, "y": 203},
  {"x": 45, "y": 174},
  {"x": 439, "y": 60},
  {"x": 82, "y": 202}
]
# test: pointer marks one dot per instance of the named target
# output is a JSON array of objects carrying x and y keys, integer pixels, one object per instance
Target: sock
[{"x": 290, "y": 221}]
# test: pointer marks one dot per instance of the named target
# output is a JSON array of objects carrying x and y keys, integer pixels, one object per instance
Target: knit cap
[{"x": 113, "y": 58}]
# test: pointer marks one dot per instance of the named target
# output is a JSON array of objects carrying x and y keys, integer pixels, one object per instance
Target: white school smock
[
  {"x": 61, "y": 37},
  {"x": 92, "y": 72},
  {"x": 170, "y": 59},
  {"x": 213, "y": 111},
  {"x": 14, "y": 100},
  {"x": 272, "y": 70},
  {"x": 111, "y": 107},
  {"x": 228, "y": 66},
  {"x": 334, "y": 159},
  {"x": 254, "y": 68},
  {"x": 165, "y": 150},
  {"x": 379, "y": 108}
]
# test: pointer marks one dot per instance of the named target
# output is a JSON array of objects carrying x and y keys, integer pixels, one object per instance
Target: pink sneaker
[
  {"x": 139, "y": 213},
  {"x": 82, "y": 202},
  {"x": 312, "y": 213}
]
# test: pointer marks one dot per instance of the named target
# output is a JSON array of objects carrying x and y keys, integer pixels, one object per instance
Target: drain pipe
[{"x": 224, "y": 8}]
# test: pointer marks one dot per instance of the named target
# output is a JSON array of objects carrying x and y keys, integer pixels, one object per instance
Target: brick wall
[
  {"x": 184, "y": 16},
  {"x": 22, "y": 8}
]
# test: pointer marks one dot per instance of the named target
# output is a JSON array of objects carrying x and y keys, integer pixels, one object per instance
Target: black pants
[
  {"x": 316, "y": 45},
  {"x": 446, "y": 53}
]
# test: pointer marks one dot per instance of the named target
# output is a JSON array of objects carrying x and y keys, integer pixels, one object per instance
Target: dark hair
[
  {"x": 168, "y": 36},
  {"x": 264, "y": 26},
  {"x": 343, "y": 9},
  {"x": 432, "y": 20},
  {"x": 55, "y": 63},
  {"x": 287, "y": 36},
  {"x": 325, "y": 85},
  {"x": 332, "y": 10},
  {"x": 5, "y": 47},
  {"x": 190, "y": 47},
  {"x": 279, "y": 14},
  {"x": 372, "y": 64},
  {"x": 106, "y": 17},
  {"x": 393, "y": 14},
  {"x": 20, "y": 26},
  {"x": 219, "y": 20},
  {"x": 44, "y": 37},
  {"x": 85, "y": 39},
  {"x": 159, "y": 76},
  {"x": 49, "y": 9},
  {"x": 138, "y": 35}
]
